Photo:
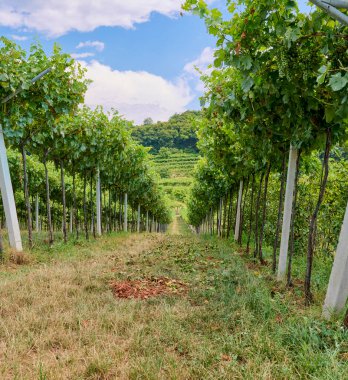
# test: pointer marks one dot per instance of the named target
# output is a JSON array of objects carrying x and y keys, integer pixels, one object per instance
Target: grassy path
[
  {"x": 174, "y": 227},
  {"x": 60, "y": 320},
  {"x": 179, "y": 227}
]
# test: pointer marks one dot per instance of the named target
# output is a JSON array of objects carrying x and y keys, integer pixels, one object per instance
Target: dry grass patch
[{"x": 61, "y": 321}]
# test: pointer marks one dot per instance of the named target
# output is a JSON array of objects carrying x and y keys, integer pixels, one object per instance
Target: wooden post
[
  {"x": 337, "y": 291},
  {"x": 289, "y": 198}
]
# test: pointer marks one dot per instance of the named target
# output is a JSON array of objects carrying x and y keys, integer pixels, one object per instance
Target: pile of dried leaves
[{"x": 148, "y": 287}]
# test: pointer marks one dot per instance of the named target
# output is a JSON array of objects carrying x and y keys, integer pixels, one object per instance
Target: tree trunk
[
  {"x": 64, "y": 201},
  {"x": 75, "y": 215},
  {"x": 217, "y": 220},
  {"x": 37, "y": 222},
  {"x": 110, "y": 211},
  {"x": 120, "y": 210},
  {"x": 48, "y": 205},
  {"x": 85, "y": 216},
  {"x": 229, "y": 212},
  {"x": 264, "y": 210},
  {"x": 104, "y": 210},
  {"x": 138, "y": 220},
  {"x": 220, "y": 218},
  {"x": 240, "y": 232},
  {"x": 313, "y": 223},
  {"x": 213, "y": 220},
  {"x": 1, "y": 239},
  {"x": 292, "y": 224},
  {"x": 223, "y": 232},
  {"x": 115, "y": 214},
  {"x": 71, "y": 220},
  {"x": 98, "y": 203},
  {"x": 238, "y": 211},
  {"x": 279, "y": 217},
  {"x": 132, "y": 220},
  {"x": 91, "y": 206},
  {"x": 251, "y": 213},
  {"x": 1, "y": 247},
  {"x": 27, "y": 199},
  {"x": 257, "y": 241},
  {"x": 126, "y": 212}
]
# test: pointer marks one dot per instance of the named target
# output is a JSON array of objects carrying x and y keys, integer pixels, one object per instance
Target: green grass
[
  {"x": 176, "y": 156},
  {"x": 176, "y": 181},
  {"x": 60, "y": 320}
]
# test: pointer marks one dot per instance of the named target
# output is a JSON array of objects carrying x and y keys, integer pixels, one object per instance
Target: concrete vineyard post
[
  {"x": 6, "y": 184},
  {"x": 8, "y": 199},
  {"x": 332, "y": 8},
  {"x": 337, "y": 291},
  {"x": 289, "y": 198}
]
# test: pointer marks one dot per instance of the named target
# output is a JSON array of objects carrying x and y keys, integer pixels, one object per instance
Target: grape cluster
[{"x": 282, "y": 64}]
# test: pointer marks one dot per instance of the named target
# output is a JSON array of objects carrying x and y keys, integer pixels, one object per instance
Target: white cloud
[
  {"x": 19, "y": 38},
  {"x": 136, "y": 94},
  {"x": 202, "y": 62},
  {"x": 57, "y": 17},
  {"x": 82, "y": 55},
  {"x": 98, "y": 45}
]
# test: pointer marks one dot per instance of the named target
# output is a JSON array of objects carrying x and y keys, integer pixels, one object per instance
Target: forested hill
[{"x": 178, "y": 132}]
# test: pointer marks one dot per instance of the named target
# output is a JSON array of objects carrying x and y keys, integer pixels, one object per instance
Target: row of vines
[
  {"x": 62, "y": 155},
  {"x": 277, "y": 89}
]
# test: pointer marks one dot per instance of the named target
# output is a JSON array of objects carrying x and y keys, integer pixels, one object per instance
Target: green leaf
[
  {"x": 26, "y": 85},
  {"x": 337, "y": 81},
  {"x": 330, "y": 113},
  {"x": 246, "y": 62},
  {"x": 321, "y": 78},
  {"x": 323, "y": 69},
  {"x": 247, "y": 84}
]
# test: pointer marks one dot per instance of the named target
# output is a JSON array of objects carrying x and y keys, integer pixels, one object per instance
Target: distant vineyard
[{"x": 176, "y": 171}]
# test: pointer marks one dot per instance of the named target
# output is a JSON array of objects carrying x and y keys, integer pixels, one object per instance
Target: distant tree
[
  {"x": 148, "y": 121},
  {"x": 178, "y": 132}
]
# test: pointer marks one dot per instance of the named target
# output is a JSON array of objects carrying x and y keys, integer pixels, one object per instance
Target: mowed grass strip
[{"x": 60, "y": 320}]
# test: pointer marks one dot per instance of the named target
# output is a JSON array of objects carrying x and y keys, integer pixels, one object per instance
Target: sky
[{"x": 140, "y": 54}]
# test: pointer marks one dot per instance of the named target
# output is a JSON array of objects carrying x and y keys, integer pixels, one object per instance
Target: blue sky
[{"x": 139, "y": 53}]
